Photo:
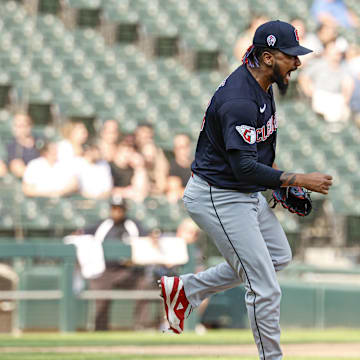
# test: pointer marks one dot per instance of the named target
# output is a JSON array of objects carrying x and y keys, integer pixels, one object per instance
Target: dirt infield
[{"x": 321, "y": 350}]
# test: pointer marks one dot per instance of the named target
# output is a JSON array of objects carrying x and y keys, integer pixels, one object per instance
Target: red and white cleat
[{"x": 177, "y": 306}]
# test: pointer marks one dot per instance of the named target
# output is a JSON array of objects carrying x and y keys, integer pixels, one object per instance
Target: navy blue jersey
[{"x": 241, "y": 116}]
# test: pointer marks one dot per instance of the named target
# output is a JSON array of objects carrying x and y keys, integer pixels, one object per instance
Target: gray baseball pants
[{"x": 254, "y": 245}]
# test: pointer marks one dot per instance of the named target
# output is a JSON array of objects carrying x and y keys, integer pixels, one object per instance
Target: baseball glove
[{"x": 294, "y": 198}]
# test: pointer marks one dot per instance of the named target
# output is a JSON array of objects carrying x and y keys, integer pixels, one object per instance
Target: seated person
[
  {"x": 23, "y": 148},
  {"x": 75, "y": 135},
  {"x": 181, "y": 163},
  {"x": 128, "y": 172},
  {"x": 46, "y": 177},
  {"x": 109, "y": 137},
  {"x": 157, "y": 168},
  {"x": 327, "y": 82},
  {"x": 156, "y": 163},
  {"x": 94, "y": 174}
]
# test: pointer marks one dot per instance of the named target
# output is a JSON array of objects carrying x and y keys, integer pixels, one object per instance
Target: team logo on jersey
[
  {"x": 248, "y": 133},
  {"x": 296, "y": 35},
  {"x": 252, "y": 135},
  {"x": 271, "y": 40}
]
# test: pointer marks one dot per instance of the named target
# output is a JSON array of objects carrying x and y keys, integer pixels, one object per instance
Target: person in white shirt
[
  {"x": 75, "y": 136},
  {"x": 94, "y": 174},
  {"x": 45, "y": 176},
  {"x": 327, "y": 82}
]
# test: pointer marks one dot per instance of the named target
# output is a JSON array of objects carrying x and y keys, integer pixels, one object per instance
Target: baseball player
[{"x": 234, "y": 162}]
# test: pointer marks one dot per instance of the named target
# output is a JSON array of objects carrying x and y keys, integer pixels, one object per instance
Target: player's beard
[{"x": 279, "y": 80}]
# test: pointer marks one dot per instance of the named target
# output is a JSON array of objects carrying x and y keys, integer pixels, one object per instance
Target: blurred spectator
[
  {"x": 245, "y": 39},
  {"x": 316, "y": 41},
  {"x": 328, "y": 83},
  {"x": 75, "y": 136},
  {"x": 157, "y": 168},
  {"x": 181, "y": 163},
  {"x": 23, "y": 148},
  {"x": 326, "y": 33},
  {"x": 307, "y": 39},
  {"x": 108, "y": 139},
  {"x": 144, "y": 133},
  {"x": 333, "y": 12},
  {"x": 156, "y": 164},
  {"x": 128, "y": 173},
  {"x": 174, "y": 189},
  {"x": 94, "y": 174},
  {"x": 46, "y": 177},
  {"x": 119, "y": 274}
]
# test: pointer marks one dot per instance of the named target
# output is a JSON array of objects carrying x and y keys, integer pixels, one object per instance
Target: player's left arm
[{"x": 246, "y": 167}]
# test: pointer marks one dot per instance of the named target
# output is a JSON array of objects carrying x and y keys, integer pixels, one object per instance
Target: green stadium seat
[
  {"x": 84, "y": 4},
  {"x": 75, "y": 107},
  {"x": 89, "y": 18},
  {"x": 5, "y": 89},
  {"x": 49, "y": 6},
  {"x": 167, "y": 45},
  {"x": 41, "y": 113}
]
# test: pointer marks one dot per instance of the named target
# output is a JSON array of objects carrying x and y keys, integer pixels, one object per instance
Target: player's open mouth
[{"x": 288, "y": 74}]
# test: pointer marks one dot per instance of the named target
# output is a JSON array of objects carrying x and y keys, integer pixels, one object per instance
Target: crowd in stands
[
  {"x": 130, "y": 165},
  {"x": 135, "y": 167}
]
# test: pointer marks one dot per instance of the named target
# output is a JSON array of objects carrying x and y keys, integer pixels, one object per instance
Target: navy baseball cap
[{"x": 279, "y": 35}]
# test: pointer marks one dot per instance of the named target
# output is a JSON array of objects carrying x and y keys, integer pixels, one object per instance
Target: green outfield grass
[
  {"x": 50, "y": 356},
  {"x": 214, "y": 337}
]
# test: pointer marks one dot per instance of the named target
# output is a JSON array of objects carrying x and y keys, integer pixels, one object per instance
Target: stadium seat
[{"x": 49, "y": 6}]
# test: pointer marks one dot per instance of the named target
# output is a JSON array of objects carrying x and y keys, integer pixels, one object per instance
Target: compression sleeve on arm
[{"x": 245, "y": 167}]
